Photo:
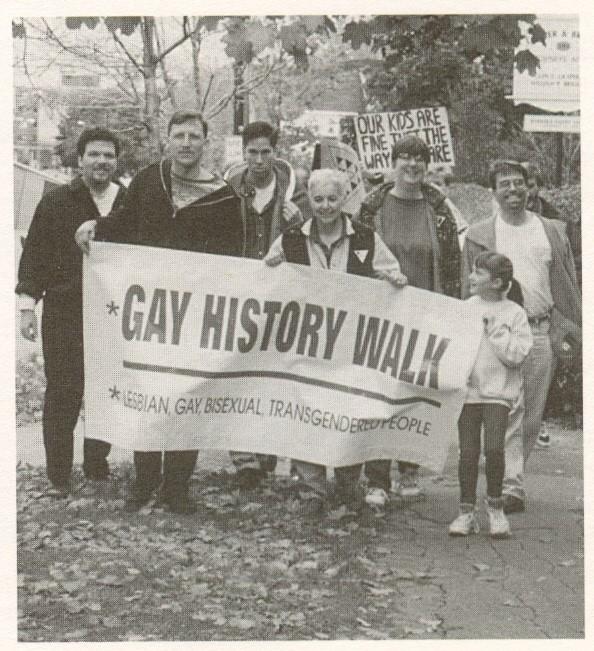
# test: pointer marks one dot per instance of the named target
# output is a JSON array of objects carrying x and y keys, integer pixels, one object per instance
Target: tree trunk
[
  {"x": 151, "y": 97},
  {"x": 195, "y": 41}
]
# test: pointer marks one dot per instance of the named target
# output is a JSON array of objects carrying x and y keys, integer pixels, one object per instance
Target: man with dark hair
[
  {"x": 175, "y": 204},
  {"x": 51, "y": 268},
  {"x": 414, "y": 220},
  {"x": 265, "y": 185},
  {"x": 544, "y": 267},
  {"x": 538, "y": 204}
]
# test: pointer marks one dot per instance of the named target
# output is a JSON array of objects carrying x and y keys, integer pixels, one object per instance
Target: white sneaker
[
  {"x": 408, "y": 486},
  {"x": 543, "y": 440},
  {"x": 376, "y": 498},
  {"x": 465, "y": 524},
  {"x": 498, "y": 522}
]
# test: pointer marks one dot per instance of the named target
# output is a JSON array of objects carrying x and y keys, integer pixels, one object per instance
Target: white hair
[{"x": 330, "y": 175}]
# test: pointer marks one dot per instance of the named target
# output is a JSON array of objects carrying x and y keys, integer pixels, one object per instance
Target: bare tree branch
[
  {"x": 168, "y": 83},
  {"x": 135, "y": 63},
  {"x": 244, "y": 88},
  {"x": 187, "y": 34},
  {"x": 207, "y": 93}
]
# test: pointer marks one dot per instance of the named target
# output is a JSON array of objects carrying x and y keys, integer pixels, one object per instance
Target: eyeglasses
[{"x": 411, "y": 157}]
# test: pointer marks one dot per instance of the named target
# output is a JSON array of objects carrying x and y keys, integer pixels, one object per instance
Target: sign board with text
[{"x": 377, "y": 132}]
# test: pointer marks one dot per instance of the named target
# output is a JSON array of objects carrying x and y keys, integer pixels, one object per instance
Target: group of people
[{"x": 518, "y": 266}]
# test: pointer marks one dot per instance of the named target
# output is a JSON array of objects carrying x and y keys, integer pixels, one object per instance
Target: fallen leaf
[
  {"x": 569, "y": 563},
  {"x": 363, "y": 623},
  {"x": 306, "y": 566},
  {"x": 511, "y": 603},
  {"x": 74, "y": 607},
  {"x": 73, "y": 586},
  {"x": 77, "y": 634},
  {"x": 335, "y": 570},
  {"x": 199, "y": 589},
  {"x": 380, "y": 592},
  {"x": 481, "y": 567},
  {"x": 94, "y": 606},
  {"x": 133, "y": 571},
  {"x": 242, "y": 623},
  {"x": 251, "y": 507},
  {"x": 110, "y": 579}
]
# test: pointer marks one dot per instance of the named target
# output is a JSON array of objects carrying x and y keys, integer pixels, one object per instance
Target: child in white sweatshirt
[{"x": 494, "y": 384}]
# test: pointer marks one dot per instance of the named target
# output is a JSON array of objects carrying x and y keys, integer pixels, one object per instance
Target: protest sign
[
  {"x": 377, "y": 133},
  {"x": 190, "y": 351}
]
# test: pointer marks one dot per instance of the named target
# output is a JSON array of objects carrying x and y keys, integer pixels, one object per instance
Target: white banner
[
  {"x": 190, "y": 351},
  {"x": 378, "y": 132}
]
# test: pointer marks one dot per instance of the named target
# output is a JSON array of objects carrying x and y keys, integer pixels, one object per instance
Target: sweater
[{"x": 506, "y": 341}]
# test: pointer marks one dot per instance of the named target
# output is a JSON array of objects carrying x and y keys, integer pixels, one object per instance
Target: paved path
[{"x": 531, "y": 586}]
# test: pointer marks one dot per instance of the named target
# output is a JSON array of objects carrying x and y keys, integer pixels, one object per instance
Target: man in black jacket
[
  {"x": 51, "y": 268},
  {"x": 173, "y": 204}
]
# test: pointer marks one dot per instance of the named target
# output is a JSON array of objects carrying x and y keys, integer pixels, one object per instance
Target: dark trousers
[
  {"x": 493, "y": 418},
  {"x": 62, "y": 344},
  {"x": 177, "y": 468},
  {"x": 377, "y": 473},
  {"x": 407, "y": 468}
]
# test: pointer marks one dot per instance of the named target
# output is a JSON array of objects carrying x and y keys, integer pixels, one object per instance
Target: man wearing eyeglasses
[
  {"x": 544, "y": 267},
  {"x": 414, "y": 220}
]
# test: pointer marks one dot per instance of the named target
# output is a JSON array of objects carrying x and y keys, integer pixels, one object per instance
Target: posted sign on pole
[{"x": 377, "y": 133}]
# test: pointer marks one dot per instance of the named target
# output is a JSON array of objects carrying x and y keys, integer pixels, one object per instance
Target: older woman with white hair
[{"x": 330, "y": 240}]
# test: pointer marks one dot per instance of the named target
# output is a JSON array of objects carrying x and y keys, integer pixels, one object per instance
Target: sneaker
[
  {"x": 408, "y": 486},
  {"x": 498, "y": 523},
  {"x": 376, "y": 499},
  {"x": 543, "y": 440},
  {"x": 466, "y": 522},
  {"x": 513, "y": 504}
]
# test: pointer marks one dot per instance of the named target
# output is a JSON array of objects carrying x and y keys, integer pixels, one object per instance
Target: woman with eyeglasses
[{"x": 414, "y": 220}]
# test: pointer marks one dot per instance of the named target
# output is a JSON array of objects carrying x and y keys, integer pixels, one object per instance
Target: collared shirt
[
  {"x": 335, "y": 257},
  {"x": 259, "y": 210},
  {"x": 529, "y": 249}
]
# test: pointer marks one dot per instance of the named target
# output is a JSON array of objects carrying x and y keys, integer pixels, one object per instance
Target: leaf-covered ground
[{"x": 247, "y": 566}]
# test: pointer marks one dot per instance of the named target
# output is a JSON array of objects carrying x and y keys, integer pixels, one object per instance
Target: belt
[{"x": 537, "y": 320}]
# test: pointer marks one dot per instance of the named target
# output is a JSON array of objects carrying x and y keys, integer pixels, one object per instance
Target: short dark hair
[
  {"x": 505, "y": 167},
  {"x": 260, "y": 130},
  {"x": 498, "y": 266},
  {"x": 181, "y": 117},
  {"x": 533, "y": 172},
  {"x": 94, "y": 134},
  {"x": 413, "y": 146}
]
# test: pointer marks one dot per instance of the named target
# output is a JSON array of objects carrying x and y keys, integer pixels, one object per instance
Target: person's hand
[
  {"x": 395, "y": 278},
  {"x": 275, "y": 260},
  {"x": 84, "y": 234},
  {"x": 29, "y": 324},
  {"x": 290, "y": 211}
]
